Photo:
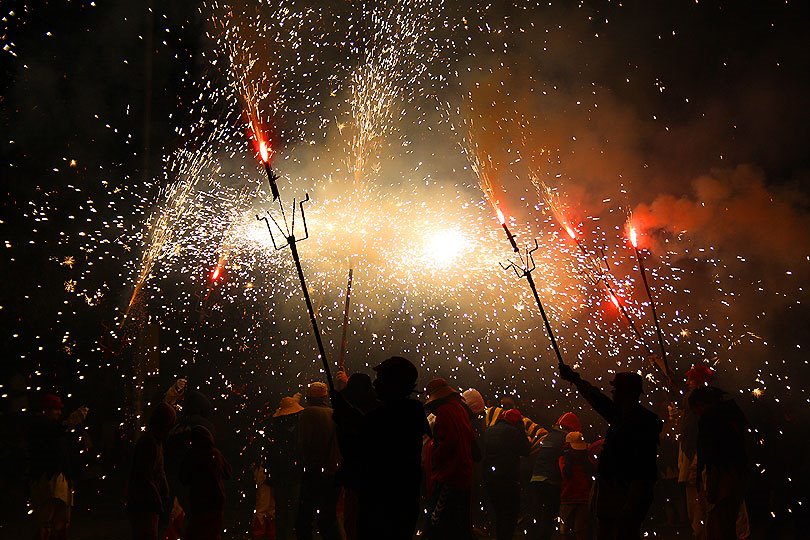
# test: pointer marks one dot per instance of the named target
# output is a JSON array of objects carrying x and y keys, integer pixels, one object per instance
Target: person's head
[
  {"x": 509, "y": 402},
  {"x": 576, "y": 441},
  {"x": 627, "y": 388},
  {"x": 200, "y": 437},
  {"x": 162, "y": 420},
  {"x": 317, "y": 393},
  {"x": 705, "y": 397},
  {"x": 438, "y": 389},
  {"x": 396, "y": 378},
  {"x": 569, "y": 422},
  {"x": 474, "y": 400},
  {"x": 196, "y": 404},
  {"x": 699, "y": 375},
  {"x": 52, "y": 407},
  {"x": 287, "y": 406},
  {"x": 359, "y": 390}
]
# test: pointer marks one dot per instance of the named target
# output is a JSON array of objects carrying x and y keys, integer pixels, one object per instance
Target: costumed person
[
  {"x": 627, "y": 469},
  {"x": 722, "y": 461},
  {"x": 479, "y": 506},
  {"x": 196, "y": 411},
  {"x": 357, "y": 392},
  {"x": 389, "y": 444},
  {"x": 320, "y": 456},
  {"x": 203, "y": 472},
  {"x": 148, "y": 489},
  {"x": 451, "y": 450},
  {"x": 53, "y": 450},
  {"x": 698, "y": 376},
  {"x": 577, "y": 468},
  {"x": 546, "y": 478},
  {"x": 283, "y": 467},
  {"x": 504, "y": 444}
]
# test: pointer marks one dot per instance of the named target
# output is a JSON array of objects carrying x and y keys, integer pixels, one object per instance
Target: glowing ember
[
  {"x": 571, "y": 232},
  {"x": 264, "y": 152}
]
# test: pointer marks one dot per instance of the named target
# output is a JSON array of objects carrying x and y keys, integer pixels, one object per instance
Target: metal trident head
[
  {"x": 525, "y": 264},
  {"x": 288, "y": 231}
]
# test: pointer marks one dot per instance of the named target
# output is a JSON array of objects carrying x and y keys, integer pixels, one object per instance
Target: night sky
[{"x": 686, "y": 119}]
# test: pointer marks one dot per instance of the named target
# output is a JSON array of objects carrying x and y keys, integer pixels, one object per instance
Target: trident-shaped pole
[
  {"x": 288, "y": 232},
  {"x": 525, "y": 269}
]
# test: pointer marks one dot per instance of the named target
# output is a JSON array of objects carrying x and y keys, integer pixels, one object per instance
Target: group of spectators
[{"x": 366, "y": 460}]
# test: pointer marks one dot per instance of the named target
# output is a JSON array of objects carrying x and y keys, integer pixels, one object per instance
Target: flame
[
  {"x": 264, "y": 151},
  {"x": 501, "y": 218},
  {"x": 571, "y": 232},
  {"x": 220, "y": 266},
  {"x": 633, "y": 237},
  {"x": 615, "y": 300}
]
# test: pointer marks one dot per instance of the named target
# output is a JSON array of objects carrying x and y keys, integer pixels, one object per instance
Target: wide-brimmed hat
[
  {"x": 398, "y": 368},
  {"x": 438, "y": 389},
  {"x": 576, "y": 441},
  {"x": 287, "y": 406}
]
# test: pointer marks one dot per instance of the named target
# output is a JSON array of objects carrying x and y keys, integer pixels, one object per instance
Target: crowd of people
[{"x": 366, "y": 460}]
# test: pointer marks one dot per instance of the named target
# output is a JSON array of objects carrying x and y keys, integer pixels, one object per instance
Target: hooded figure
[
  {"x": 148, "y": 490},
  {"x": 204, "y": 471}
]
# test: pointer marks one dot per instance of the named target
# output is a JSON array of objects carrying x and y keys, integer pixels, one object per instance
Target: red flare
[
  {"x": 633, "y": 236},
  {"x": 615, "y": 300},
  {"x": 264, "y": 152},
  {"x": 501, "y": 217},
  {"x": 571, "y": 232}
]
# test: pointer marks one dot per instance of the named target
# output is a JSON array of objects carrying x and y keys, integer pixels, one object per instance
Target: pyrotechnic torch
[
  {"x": 290, "y": 240},
  {"x": 525, "y": 270},
  {"x": 634, "y": 242},
  {"x": 601, "y": 277},
  {"x": 264, "y": 153},
  {"x": 344, "y": 339}
]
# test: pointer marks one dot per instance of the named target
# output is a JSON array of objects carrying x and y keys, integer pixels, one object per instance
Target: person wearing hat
[
  {"x": 204, "y": 472},
  {"x": 698, "y": 376},
  {"x": 722, "y": 461},
  {"x": 577, "y": 470},
  {"x": 546, "y": 478},
  {"x": 282, "y": 469},
  {"x": 451, "y": 453},
  {"x": 53, "y": 448},
  {"x": 320, "y": 456},
  {"x": 504, "y": 444},
  {"x": 627, "y": 469}
]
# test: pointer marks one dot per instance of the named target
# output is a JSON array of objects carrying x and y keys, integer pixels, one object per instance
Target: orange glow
[
  {"x": 264, "y": 152},
  {"x": 633, "y": 237},
  {"x": 614, "y": 300},
  {"x": 501, "y": 218},
  {"x": 571, "y": 232},
  {"x": 220, "y": 266}
]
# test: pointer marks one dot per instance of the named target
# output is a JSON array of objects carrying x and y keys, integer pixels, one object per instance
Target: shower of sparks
[{"x": 350, "y": 104}]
